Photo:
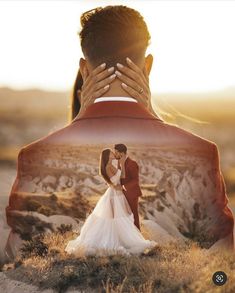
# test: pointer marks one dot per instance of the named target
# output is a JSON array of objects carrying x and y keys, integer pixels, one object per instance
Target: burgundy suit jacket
[
  {"x": 179, "y": 173},
  {"x": 131, "y": 180}
]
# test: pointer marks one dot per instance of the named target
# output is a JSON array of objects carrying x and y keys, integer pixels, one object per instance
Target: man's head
[
  {"x": 111, "y": 34},
  {"x": 120, "y": 150}
]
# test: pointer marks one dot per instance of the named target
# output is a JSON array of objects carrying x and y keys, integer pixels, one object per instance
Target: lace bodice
[{"x": 115, "y": 179}]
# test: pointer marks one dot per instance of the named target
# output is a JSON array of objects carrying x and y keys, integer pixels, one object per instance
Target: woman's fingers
[
  {"x": 137, "y": 77},
  {"x": 96, "y": 84},
  {"x": 90, "y": 89},
  {"x": 135, "y": 81},
  {"x": 133, "y": 65},
  {"x": 103, "y": 74},
  {"x": 94, "y": 72},
  {"x": 98, "y": 69},
  {"x": 143, "y": 74},
  {"x": 135, "y": 85},
  {"x": 94, "y": 78},
  {"x": 104, "y": 82},
  {"x": 91, "y": 98},
  {"x": 143, "y": 99},
  {"x": 130, "y": 73}
]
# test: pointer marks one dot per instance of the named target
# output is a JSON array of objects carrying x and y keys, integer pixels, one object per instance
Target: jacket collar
[{"x": 116, "y": 108}]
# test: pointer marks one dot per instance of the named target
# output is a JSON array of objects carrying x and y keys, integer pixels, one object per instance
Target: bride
[{"x": 110, "y": 228}]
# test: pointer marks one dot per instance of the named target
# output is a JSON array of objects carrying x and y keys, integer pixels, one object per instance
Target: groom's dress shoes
[{"x": 179, "y": 174}]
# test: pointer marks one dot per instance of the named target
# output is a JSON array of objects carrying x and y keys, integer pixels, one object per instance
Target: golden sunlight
[{"x": 192, "y": 43}]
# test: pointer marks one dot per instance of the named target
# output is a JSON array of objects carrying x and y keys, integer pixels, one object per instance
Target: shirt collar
[{"x": 125, "y": 99}]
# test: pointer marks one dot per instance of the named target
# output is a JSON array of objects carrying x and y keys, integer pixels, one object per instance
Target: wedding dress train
[{"x": 110, "y": 228}]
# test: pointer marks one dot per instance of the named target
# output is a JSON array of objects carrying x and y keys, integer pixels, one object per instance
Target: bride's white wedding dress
[{"x": 110, "y": 228}]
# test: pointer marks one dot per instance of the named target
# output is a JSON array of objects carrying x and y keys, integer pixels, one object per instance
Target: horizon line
[{"x": 47, "y": 90}]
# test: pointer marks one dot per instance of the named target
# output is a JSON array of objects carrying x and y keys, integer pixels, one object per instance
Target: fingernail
[
  {"x": 128, "y": 60},
  {"x": 119, "y": 65},
  {"x": 103, "y": 65},
  {"x": 112, "y": 76},
  {"x": 110, "y": 69},
  {"x": 106, "y": 87},
  {"x": 118, "y": 73},
  {"x": 123, "y": 84}
]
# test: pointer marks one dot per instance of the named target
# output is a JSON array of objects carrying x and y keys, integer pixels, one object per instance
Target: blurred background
[{"x": 192, "y": 79}]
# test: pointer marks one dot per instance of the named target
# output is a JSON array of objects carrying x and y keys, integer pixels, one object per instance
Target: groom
[{"x": 130, "y": 180}]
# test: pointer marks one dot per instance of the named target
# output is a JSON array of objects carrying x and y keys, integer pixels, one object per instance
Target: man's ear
[
  {"x": 148, "y": 63},
  {"x": 83, "y": 68}
]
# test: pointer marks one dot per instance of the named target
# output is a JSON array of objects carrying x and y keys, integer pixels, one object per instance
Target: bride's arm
[{"x": 112, "y": 171}]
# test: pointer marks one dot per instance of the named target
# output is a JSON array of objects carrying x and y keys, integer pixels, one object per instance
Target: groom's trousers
[{"x": 133, "y": 203}]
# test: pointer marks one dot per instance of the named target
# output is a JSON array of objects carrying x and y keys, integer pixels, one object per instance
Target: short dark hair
[
  {"x": 121, "y": 148},
  {"x": 112, "y": 33}
]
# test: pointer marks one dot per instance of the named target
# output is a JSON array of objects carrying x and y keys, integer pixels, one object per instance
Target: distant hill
[
  {"x": 215, "y": 106},
  {"x": 33, "y": 99},
  {"x": 26, "y": 115}
]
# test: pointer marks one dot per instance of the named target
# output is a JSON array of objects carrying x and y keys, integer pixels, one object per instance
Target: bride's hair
[
  {"x": 75, "y": 104},
  {"x": 104, "y": 158}
]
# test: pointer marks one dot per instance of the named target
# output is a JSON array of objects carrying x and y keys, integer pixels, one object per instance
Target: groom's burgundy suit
[
  {"x": 131, "y": 184},
  {"x": 180, "y": 173}
]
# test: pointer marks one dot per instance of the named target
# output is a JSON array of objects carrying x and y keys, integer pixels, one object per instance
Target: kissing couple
[{"x": 113, "y": 226}]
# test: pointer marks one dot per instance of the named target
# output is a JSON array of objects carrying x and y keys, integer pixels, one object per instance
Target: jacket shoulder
[
  {"x": 188, "y": 137},
  {"x": 132, "y": 162},
  {"x": 50, "y": 138}
]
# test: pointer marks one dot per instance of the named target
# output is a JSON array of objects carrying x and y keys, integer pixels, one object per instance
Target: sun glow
[{"x": 192, "y": 43}]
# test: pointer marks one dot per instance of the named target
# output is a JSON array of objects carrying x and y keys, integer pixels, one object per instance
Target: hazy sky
[{"x": 192, "y": 42}]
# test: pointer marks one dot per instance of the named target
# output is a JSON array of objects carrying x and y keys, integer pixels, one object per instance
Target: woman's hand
[
  {"x": 118, "y": 187},
  {"x": 135, "y": 82},
  {"x": 95, "y": 85}
]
